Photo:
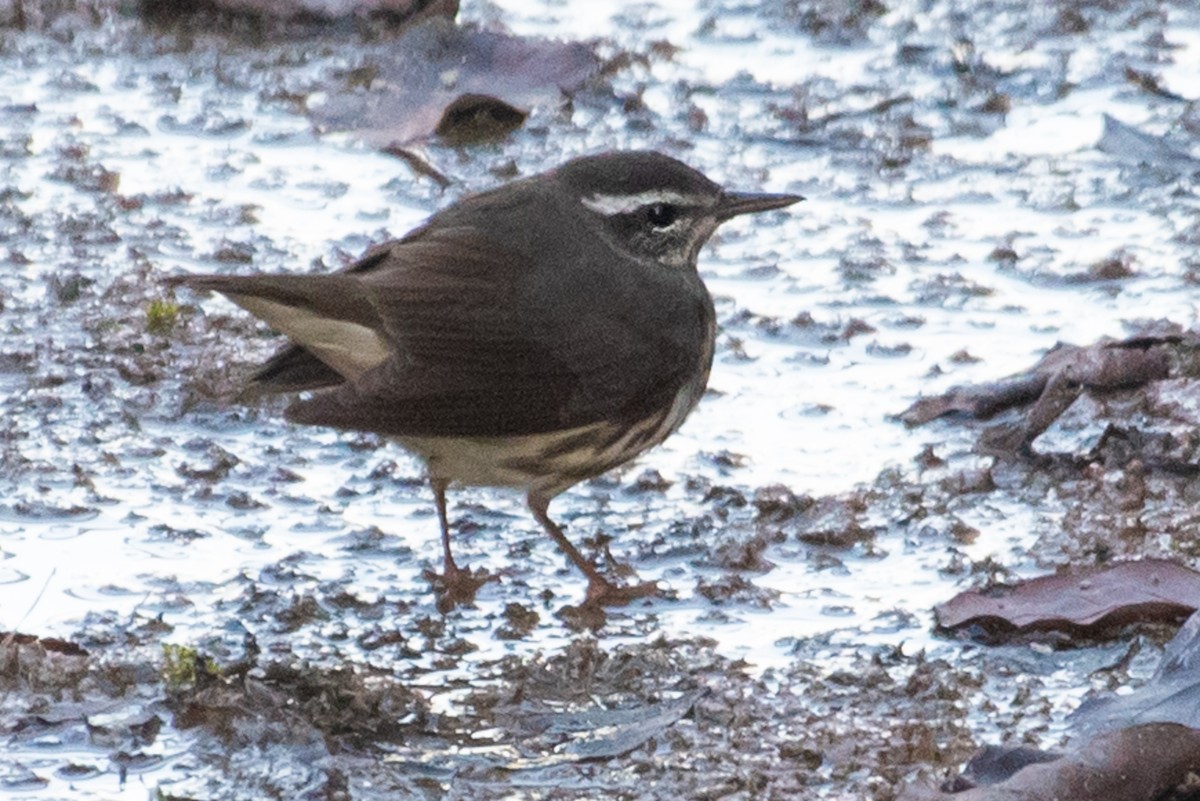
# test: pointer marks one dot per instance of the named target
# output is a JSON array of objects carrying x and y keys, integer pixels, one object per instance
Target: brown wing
[
  {"x": 294, "y": 369},
  {"x": 330, "y": 316},
  {"x": 487, "y": 344},
  {"x": 449, "y": 333}
]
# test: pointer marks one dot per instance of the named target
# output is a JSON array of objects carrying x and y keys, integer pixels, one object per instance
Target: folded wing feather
[{"x": 328, "y": 315}]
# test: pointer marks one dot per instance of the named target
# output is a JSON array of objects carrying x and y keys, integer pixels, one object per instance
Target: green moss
[
  {"x": 161, "y": 316},
  {"x": 181, "y": 665}
]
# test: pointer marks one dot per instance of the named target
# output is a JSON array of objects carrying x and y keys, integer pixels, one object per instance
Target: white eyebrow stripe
[{"x": 609, "y": 205}]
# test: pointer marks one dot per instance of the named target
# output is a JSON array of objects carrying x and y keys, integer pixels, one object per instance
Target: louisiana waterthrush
[{"x": 532, "y": 336}]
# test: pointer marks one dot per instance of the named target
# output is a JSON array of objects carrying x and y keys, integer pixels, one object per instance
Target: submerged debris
[
  {"x": 1131, "y": 145},
  {"x": 1171, "y": 695}
]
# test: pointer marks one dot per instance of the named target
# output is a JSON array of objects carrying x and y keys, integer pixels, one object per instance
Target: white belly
[
  {"x": 549, "y": 463},
  {"x": 498, "y": 461}
]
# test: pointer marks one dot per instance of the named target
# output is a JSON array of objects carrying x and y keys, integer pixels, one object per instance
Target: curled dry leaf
[
  {"x": 1140, "y": 763},
  {"x": 1089, "y": 600},
  {"x": 1106, "y": 365},
  {"x": 1065, "y": 375},
  {"x": 53, "y": 645},
  {"x": 462, "y": 84},
  {"x": 314, "y": 12},
  {"x": 474, "y": 118}
]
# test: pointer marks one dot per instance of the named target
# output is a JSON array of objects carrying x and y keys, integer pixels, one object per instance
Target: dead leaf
[
  {"x": 565, "y": 736},
  {"x": 1140, "y": 763},
  {"x": 290, "y": 9},
  {"x": 1052, "y": 386},
  {"x": 1128, "y": 144},
  {"x": 1108, "y": 364},
  {"x": 1171, "y": 695},
  {"x": 978, "y": 402},
  {"x": 473, "y": 118},
  {"x": 53, "y": 645},
  {"x": 418, "y": 164},
  {"x": 1088, "y": 600},
  {"x": 438, "y": 75}
]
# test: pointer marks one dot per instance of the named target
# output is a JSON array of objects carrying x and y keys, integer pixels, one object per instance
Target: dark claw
[{"x": 457, "y": 587}]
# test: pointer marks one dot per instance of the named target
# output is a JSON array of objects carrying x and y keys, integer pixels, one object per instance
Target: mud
[{"x": 218, "y": 605}]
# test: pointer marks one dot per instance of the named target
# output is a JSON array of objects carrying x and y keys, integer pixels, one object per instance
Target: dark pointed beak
[{"x": 733, "y": 204}]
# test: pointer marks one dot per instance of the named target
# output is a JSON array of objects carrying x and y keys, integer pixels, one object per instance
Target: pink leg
[
  {"x": 455, "y": 585},
  {"x": 600, "y": 591}
]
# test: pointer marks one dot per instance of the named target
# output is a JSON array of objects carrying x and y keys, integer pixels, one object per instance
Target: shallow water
[{"x": 101, "y": 509}]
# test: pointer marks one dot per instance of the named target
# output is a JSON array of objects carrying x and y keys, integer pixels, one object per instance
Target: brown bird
[{"x": 532, "y": 336}]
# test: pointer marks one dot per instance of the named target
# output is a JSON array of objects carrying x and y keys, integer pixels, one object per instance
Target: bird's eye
[{"x": 661, "y": 215}]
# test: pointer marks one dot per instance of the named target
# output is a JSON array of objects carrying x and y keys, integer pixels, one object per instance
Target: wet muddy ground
[{"x": 219, "y": 605}]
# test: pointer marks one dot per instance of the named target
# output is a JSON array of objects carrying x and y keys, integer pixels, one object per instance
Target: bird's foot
[
  {"x": 457, "y": 585},
  {"x": 601, "y": 593}
]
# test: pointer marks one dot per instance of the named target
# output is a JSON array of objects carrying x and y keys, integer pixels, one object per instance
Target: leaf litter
[{"x": 286, "y": 703}]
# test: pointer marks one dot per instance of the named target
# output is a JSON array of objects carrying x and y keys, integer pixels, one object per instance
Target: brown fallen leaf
[
  {"x": 993, "y": 764},
  {"x": 438, "y": 77},
  {"x": 980, "y": 402},
  {"x": 1108, "y": 364},
  {"x": 418, "y": 164},
  {"x": 317, "y": 10},
  {"x": 53, "y": 645},
  {"x": 1140, "y": 763},
  {"x": 1150, "y": 83},
  {"x": 1088, "y": 600},
  {"x": 473, "y": 118}
]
